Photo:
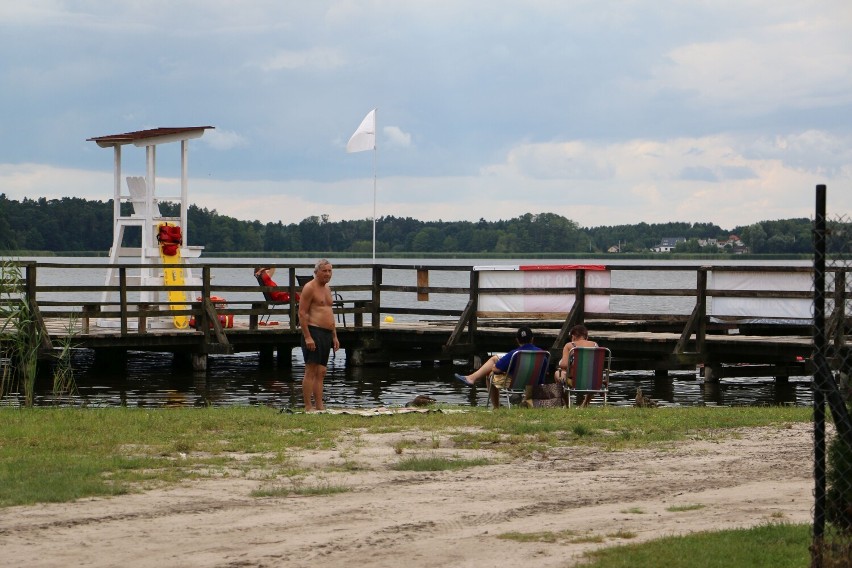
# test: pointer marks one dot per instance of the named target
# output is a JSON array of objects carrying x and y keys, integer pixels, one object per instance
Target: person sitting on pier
[
  {"x": 499, "y": 366},
  {"x": 264, "y": 277},
  {"x": 579, "y": 338}
]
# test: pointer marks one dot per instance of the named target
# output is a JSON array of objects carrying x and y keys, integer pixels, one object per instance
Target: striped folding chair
[
  {"x": 588, "y": 371},
  {"x": 526, "y": 368}
]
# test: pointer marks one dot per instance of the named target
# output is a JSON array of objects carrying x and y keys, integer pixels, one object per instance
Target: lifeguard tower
[{"x": 164, "y": 238}]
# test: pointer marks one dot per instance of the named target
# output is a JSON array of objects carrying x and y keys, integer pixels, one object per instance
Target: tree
[
  {"x": 428, "y": 239},
  {"x": 75, "y": 224}
]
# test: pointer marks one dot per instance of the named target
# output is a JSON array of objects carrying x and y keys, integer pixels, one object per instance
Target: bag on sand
[{"x": 544, "y": 396}]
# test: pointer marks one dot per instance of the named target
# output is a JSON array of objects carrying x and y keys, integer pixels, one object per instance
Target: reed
[
  {"x": 21, "y": 339},
  {"x": 19, "y": 336},
  {"x": 63, "y": 373}
]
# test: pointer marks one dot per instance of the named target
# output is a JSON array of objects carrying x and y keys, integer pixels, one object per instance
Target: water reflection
[{"x": 159, "y": 380}]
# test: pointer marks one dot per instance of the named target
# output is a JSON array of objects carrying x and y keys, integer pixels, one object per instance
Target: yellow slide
[{"x": 174, "y": 277}]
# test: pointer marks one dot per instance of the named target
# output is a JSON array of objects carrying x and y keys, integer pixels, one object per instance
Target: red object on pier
[{"x": 170, "y": 238}]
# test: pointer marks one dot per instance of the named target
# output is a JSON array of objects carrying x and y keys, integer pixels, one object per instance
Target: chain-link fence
[{"x": 831, "y": 545}]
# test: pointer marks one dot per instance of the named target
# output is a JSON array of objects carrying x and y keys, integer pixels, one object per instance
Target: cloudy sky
[{"x": 723, "y": 111}]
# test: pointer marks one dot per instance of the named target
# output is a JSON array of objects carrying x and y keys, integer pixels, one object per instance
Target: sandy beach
[{"x": 426, "y": 519}]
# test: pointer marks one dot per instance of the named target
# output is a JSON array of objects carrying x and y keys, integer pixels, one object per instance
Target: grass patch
[
  {"x": 634, "y": 511},
  {"x": 564, "y": 537},
  {"x": 543, "y": 536},
  {"x": 683, "y": 508},
  {"x": 581, "y": 430},
  {"x": 402, "y": 445},
  {"x": 775, "y": 545},
  {"x": 62, "y": 454},
  {"x": 622, "y": 534},
  {"x": 437, "y": 463},
  {"x": 296, "y": 488}
]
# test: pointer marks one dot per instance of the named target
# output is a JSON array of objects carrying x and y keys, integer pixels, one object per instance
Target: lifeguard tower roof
[{"x": 146, "y": 137}]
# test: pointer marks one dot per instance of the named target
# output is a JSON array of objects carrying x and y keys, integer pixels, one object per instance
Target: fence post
[
  {"x": 377, "y": 295},
  {"x": 422, "y": 285},
  {"x": 37, "y": 321},
  {"x": 203, "y": 318},
  {"x": 697, "y": 321},
  {"x": 819, "y": 394},
  {"x": 474, "y": 299},
  {"x": 293, "y": 310},
  {"x": 576, "y": 314},
  {"x": 122, "y": 298}
]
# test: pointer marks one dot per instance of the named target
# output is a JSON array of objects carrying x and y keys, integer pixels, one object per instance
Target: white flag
[{"x": 365, "y": 137}]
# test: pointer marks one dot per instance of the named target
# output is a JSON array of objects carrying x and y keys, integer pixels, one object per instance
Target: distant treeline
[{"x": 72, "y": 224}]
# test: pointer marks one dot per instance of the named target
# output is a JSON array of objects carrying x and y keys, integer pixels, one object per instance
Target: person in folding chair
[
  {"x": 579, "y": 338},
  {"x": 499, "y": 366},
  {"x": 264, "y": 278}
]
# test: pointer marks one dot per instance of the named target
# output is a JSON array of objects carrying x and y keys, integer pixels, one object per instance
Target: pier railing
[{"x": 454, "y": 294}]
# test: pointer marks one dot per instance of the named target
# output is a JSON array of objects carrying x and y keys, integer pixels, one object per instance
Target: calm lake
[{"x": 153, "y": 380}]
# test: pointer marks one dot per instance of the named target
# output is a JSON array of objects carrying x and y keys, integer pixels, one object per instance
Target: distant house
[
  {"x": 614, "y": 248},
  {"x": 732, "y": 241},
  {"x": 668, "y": 244},
  {"x": 735, "y": 244}
]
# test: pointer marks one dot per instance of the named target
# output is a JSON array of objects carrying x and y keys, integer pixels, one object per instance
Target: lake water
[{"x": 154, "y": 380}]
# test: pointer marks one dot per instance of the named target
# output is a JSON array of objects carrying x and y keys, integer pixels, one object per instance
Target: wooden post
[
  {"x": 474, "y": 304},
  {"x": 697, "y": 321},
  {"x": 203, "y": 318},
  {"x": 712, "y": 372},
  {"x": 89, "y": 311},
  {"x": 294, "y": 305},
  {"x": 253, "y": 317},
  {"x": 701, "y": 327},
  {"x": 422, "y": 285},
  {"x": 358, "y": 315},
  {"x": 377, "y": 296},
  {"x": 265, "y": 357},
  {"x": 284, "y": 357},
  {"x": 576, "y": 314},
  {"x": 143, "y": 318},
  {"x": 122, "y": 297},
  {"x": 35, "y": 313},
  {"x": 199, "y": 361}
]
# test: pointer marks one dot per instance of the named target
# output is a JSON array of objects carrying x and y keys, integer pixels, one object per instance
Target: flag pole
[{"x": 375, "y": 159}]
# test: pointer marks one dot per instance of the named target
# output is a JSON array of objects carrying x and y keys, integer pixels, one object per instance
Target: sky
[{"x": 605, "y": 112}]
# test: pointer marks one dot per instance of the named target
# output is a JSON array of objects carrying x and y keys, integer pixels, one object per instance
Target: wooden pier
[{"x": 392, "y": 313}]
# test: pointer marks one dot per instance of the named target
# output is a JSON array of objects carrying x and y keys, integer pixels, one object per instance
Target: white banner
[
  {"x": 538, "y": 277},
  {"x": 787, "y": 308}
]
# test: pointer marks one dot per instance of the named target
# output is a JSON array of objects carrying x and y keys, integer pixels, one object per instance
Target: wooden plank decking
[{"x": 783, "y": 355}]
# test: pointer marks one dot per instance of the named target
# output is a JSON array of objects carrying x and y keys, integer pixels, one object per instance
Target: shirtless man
[{"x": 319, "y": 335}]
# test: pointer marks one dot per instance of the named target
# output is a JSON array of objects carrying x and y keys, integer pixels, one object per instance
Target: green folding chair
[
  {"x": 526, "y": 368},
  {"x": 589, "y": 367}
]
